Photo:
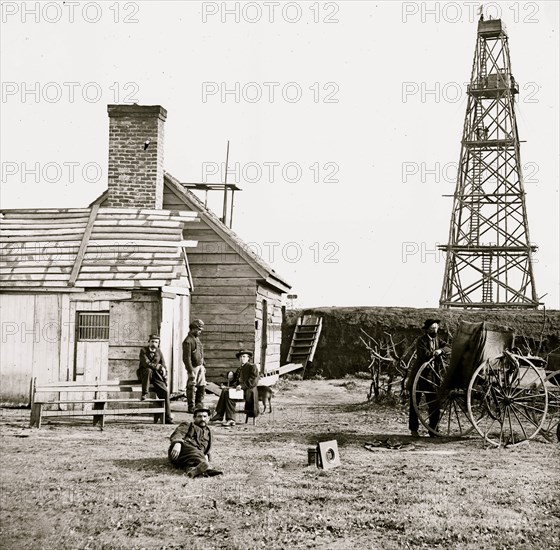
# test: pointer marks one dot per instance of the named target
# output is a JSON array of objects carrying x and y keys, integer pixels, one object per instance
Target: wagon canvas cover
[{"x": 474, "y": 343}]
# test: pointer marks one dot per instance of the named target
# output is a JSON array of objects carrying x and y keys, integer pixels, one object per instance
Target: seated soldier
[
  {"x": 246, "y": 378},
  {"x": 152, "y": 370},
  {"x": 191, "y": 443}
]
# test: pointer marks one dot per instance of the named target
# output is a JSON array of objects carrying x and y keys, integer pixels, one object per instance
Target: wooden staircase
[{"x": 305, "y": 339}]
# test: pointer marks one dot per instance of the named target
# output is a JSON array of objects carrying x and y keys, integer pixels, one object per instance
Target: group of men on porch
[{"x": 153, "y": 371}]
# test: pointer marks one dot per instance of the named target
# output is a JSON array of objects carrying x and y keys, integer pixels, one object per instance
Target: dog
[{"x": 265, "y": 395}]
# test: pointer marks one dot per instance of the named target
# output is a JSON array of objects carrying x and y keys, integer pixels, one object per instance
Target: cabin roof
[
  {"x": 267, "y": 273},
  {"x": 93, "y": 247},
  {"x": 193, "y": 202}
]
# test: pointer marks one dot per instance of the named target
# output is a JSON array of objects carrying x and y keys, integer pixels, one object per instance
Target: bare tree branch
[{"x": 389, "y": 365}]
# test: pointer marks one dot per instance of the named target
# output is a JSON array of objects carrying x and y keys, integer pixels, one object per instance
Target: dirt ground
[{"x": 72, "y": 486}]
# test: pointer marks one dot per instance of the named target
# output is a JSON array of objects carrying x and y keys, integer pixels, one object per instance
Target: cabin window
[{"x": 93, "y": 326}]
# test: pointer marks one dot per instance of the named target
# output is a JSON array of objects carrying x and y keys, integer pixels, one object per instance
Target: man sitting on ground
[
  {"x": 246, "y": 379},
  {"x": 191, "y": 443},
  {"x": 153, "y": 371}
]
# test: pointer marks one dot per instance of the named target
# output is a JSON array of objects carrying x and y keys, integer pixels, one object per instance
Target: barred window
[{"x": 93, "y": 326}]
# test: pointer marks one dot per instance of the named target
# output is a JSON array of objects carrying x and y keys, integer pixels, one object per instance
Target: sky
[{"x": 344, "y": 121}]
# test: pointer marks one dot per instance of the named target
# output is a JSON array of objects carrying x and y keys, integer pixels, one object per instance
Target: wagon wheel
[
  {"x": 441, "y": 412},
  {"x": 551, "y": 426},
  {"x": 507, "y": 402}
]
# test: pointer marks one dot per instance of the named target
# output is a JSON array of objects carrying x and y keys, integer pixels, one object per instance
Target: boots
[
  {"x": 190, "y": 398},
  {"x": 200, "y": 393},
  {"x": 198, "y": 470}
]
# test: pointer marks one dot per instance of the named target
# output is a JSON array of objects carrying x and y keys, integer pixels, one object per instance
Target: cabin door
[
  {"x": 92, "y": 345},
  {"x": 264, "y": 335}
]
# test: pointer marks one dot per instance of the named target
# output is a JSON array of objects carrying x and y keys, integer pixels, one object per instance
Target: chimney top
[{"x": 137, "y": 111}]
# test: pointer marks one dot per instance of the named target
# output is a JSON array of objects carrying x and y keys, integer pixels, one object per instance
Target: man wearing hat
[
  {"x": 193, "y": 358},
  {"x": 428, "y": 346},
  {"x": 246, "y": 378},
  {"x": 191, "y": 443},
  {"x": 152, "y": 370}
]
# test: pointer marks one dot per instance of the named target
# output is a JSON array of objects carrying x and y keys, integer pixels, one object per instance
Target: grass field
[{"x": 72, "y": 486}]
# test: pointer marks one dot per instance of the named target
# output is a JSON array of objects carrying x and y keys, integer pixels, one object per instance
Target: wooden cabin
[
  {"x": 236, "y": 293},
  {"x": 81, "y": 290},
  {"x": 154, "y": 285}
]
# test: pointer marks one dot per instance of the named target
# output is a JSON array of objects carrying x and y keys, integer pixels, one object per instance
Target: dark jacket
[
  {"x": 248, "y": 380},
  {"x": 193, "y": 352},
  {"x": 188, "y": 433},
  {"x": 234, "y": 382},
  {"x": 248, "y": 376},
  {"x": 425, "y": 347},
  {"x": 151, "y": 359}
]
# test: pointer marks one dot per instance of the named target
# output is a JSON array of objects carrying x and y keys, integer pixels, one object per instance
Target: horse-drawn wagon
[{"x": 486, "y": 386}]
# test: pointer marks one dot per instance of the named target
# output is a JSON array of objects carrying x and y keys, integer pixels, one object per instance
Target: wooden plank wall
[
  {"x": 133, "y": 315},
  {"x": 223, "y": 297},
  {"x": 131, "y": 323},
  {"x": 274, "y": 332},
  {"x": 35, "y": 342}
]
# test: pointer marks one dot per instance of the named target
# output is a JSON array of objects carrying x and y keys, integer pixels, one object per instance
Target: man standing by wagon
[
  {"x": 428, "y": 346},
  {"x": 193, "y": 359}
]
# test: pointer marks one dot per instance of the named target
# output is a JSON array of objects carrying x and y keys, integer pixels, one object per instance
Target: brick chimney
[{"x": 136, "y": 156}]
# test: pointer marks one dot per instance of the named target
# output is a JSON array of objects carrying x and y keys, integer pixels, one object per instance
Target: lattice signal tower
[{"x": 488, "y": 261}]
